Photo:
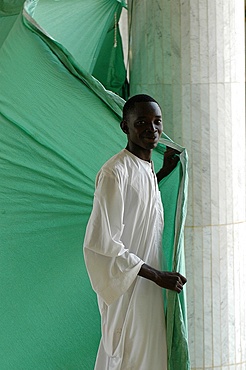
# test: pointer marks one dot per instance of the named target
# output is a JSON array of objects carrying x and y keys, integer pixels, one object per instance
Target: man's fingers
[
  {"x": 180, "y": 283},
  {"x": 178, "y": 287},
  {"x": 183, "y": 279},
  {"x": 172, "y": 151}
]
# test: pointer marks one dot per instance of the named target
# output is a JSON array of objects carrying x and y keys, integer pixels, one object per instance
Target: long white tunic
[{"x": 123, "y": 232}]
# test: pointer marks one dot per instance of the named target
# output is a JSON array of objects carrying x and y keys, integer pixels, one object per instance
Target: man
[{"x": 122, "y": 246}]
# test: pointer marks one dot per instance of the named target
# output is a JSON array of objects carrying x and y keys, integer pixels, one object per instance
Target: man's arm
[
  {"x": 112, "y": 268},
  {"x": 168, "y": 280},
  {"x": 170, "y": 161}
]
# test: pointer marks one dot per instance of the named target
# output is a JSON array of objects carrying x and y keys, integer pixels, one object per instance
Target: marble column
[{"x": 190, "y": 55}]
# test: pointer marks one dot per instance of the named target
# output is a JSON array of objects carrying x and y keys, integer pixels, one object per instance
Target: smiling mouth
[{"x": 153, "y": 138}]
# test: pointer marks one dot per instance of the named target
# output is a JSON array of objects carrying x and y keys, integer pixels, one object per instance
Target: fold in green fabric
[{"x": 174, "y": 190}]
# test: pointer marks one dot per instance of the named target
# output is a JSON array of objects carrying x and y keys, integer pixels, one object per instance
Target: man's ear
[{"x": 124, "y": 127}]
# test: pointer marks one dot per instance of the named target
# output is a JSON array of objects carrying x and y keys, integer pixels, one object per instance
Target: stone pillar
[{"x": 190, "y": 56}]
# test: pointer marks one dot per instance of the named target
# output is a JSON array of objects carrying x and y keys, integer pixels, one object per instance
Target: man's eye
[
  {"x": 158, "y": 121},
  {"x": 139, "y": 123}
]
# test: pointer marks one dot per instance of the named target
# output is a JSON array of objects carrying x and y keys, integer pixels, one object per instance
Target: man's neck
[{"x": 140, "y": 153}]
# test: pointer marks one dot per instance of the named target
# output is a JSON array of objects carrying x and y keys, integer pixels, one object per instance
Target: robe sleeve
[{"x": 111, "y": 267}]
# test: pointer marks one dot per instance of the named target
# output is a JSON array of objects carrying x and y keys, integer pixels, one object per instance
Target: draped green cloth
[
  {"x": 174, "y": 197},
  {"x": 58, "y": 125}
]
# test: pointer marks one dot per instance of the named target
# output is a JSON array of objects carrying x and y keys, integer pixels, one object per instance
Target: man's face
[{"x": 143, "y": 127}]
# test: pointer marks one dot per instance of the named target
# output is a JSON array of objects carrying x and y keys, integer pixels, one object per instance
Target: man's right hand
[
  {"x": 165, "y": 279},
  {"x": 171, "y": 280}
]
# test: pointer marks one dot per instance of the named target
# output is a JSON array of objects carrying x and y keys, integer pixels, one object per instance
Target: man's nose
[{"x": 151, "y": 127}]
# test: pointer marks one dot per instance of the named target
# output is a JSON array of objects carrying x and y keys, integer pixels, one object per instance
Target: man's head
[
  {"x": 131, "y": 103},
  {"x": 142, "y": 123}
]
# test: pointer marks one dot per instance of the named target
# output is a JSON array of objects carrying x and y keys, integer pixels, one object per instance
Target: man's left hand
[{"x": 170, "y": 161}]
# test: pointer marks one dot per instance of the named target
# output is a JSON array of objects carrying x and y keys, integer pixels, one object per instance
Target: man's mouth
[{"x": 151, "y": 137}]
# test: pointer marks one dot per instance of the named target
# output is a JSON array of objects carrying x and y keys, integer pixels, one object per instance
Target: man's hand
[
  {"x": 168, "y": 280},
  {"x": 171, "y": 280},
  {"x": 170, "y": 161}
]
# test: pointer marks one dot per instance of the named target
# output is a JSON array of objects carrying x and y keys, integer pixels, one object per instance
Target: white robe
[{"x": 123, "y": 232}]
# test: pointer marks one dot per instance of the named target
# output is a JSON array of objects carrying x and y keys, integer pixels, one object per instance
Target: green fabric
[
  {"x": 58, "y": 126},
  {"x": 174, "y": 190},
  {"x": 9, "y": 11},
  {"x": 174, "y": 196},
  {"x": 53, "y": 141},
  {"x": 109, "y": 68},
  {"x": 80, "y": 26}
]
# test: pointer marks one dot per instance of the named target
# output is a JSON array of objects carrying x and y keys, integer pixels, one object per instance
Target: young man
[{"x": 122, "y": 246}]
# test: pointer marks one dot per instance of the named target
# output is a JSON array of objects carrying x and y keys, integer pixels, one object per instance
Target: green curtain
[
  {"x": 58, "y": 125},
  {"x": 109, "y": 68},
  {"x": 53, "y": 141},
  {"x": 80, "y": 26},
  {"x": 174, "y": 189}
]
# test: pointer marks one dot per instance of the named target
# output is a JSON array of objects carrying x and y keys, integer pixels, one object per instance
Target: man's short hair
[{"x": 130, "y": 103}]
